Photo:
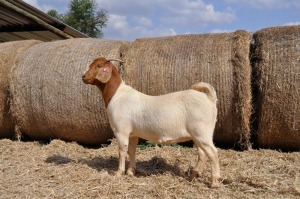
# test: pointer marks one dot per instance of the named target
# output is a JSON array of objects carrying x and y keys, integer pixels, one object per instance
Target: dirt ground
[{"x": 68, "y": 170}]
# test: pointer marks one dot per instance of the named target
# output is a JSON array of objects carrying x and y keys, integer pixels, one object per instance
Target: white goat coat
[{"x": 171, "y": 118}]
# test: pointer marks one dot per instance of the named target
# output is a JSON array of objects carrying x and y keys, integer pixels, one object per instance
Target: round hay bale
[
  {"x": 49, "y": 98},
  {"x": 9, "y": 51},
  {"x": 158, "y": 66},
  {"x": 277, "y": 77}
]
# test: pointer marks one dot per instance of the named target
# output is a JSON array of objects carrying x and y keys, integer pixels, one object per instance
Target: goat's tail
[{"x": 207, "y": 89}]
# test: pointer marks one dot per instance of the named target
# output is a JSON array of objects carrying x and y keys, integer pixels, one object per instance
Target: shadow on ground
[{"x": 156, "y": 165}]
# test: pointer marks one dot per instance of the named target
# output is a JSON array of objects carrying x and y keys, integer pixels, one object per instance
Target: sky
[{"x": 132, "y": 19}]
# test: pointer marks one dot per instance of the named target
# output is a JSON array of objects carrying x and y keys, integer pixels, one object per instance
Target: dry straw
[
  {"x": 277, "y": 78},
  {"x": 158, "y": 66},
  {"x": 68, "y": 170},
  {"x": 49, "y": 98},
  {"x": 9, "y": 51}
]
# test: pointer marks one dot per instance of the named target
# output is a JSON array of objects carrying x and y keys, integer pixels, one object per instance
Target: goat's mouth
[{"x": 87, "y": 80}]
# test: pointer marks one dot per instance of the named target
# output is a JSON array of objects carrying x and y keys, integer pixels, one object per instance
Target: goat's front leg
[
  {"x": 122, "y": 140},
  {"x": 133, "y": 141}
]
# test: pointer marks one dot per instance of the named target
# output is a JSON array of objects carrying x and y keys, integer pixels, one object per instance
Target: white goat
[{"x": 171, "y": 118}]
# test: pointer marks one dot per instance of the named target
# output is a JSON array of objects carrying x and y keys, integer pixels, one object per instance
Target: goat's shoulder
[{"x": 125, "y": 96}]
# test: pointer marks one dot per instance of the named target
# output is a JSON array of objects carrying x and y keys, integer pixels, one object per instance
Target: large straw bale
[
  {"x": 277, "y": 78},
  {"x": 158, "y": 66},
  {"x": 9, "y": 51},
  {"x": 49, "y": 98}
]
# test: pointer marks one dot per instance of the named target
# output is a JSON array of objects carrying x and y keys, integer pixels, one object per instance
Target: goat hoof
[
  {"x": 215, "y": 184},
  {"x": 191, "y": 175},
  {"x": 130, "y": 172},
  {"x": 119, "y": 173},
  {"x": 194, "y": 175}
]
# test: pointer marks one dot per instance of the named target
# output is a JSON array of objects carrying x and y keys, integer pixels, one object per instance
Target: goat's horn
[{"x": 115, "y": 60}]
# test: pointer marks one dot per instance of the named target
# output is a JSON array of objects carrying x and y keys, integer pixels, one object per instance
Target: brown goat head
[{"x": 99, "y": 70}]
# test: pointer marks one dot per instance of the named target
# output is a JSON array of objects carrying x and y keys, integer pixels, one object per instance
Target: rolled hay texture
[
  {"x": 158, "y": 66},
  {"x": 277, "y": 80},
  {"x": 49, "y": 98},
  {"x": 9, "y": 52}
]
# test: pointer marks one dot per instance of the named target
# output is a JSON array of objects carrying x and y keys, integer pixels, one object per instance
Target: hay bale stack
[
  {"x": 277, "y": 77},
  {"x": 158, "y": 66},
  {"x": 49, "y": 98},
  {"x": 9, "y": 51}
]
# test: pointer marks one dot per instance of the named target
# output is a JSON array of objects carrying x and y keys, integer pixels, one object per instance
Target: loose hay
[
  {"x": 9, "y": 52},
  {"x": 158, "y": 66},
  {"x": 67, "y": 170},
  {"x": 277, "y": 77},
  {"x": 49, "y": 98}
]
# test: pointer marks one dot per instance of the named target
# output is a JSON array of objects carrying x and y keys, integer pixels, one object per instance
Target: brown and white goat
[{"x": 166, "y": 119}]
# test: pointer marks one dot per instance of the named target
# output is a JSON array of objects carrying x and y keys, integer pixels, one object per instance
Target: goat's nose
[{"x": 83, "y": 76}]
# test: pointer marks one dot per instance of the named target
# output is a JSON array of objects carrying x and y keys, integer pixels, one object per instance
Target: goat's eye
[{"x": 98, "y": 66}]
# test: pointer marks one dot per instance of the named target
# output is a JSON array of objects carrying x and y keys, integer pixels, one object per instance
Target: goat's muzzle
[{"x": 85, "y": 79}]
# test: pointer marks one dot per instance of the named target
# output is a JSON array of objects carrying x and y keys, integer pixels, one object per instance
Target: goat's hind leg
[
  {"x": 202, "y": 158},
  {"x": 211, "y": 151}
]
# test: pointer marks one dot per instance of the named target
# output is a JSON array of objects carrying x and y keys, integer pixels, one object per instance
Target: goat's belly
[
  {"x": 166, "y": 140},
  {"x": 163, "y": 137}
]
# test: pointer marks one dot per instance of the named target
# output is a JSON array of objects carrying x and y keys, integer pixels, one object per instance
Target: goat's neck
[{"x": 109, "y": 89}]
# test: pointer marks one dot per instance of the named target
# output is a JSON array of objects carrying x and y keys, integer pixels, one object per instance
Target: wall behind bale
[
  {"x": 49, "y": 98},
  {"x": 277, "y": 80},
  {"x": 158, "y": 66},
  {"x": 9, "y": 51}
]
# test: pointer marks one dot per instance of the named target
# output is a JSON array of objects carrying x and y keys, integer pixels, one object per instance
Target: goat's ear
[{"x": 104, "y": 74}]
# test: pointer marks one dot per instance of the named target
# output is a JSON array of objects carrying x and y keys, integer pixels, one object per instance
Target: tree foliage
[
  {"x": 55, "y": 14},
  {"x": 83, "y": 17}
]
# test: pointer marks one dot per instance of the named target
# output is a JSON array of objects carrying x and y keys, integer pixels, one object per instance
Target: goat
[{"x": 166, "y": 119}]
